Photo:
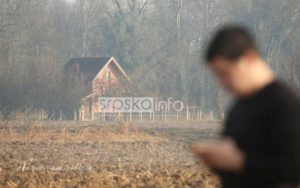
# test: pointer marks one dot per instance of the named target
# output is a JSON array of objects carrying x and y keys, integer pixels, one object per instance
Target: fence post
[
  {"x": 187, "y": 112},
  {"x": 14, "y": 115},
  {"x": 25, "y": 114},
  {"x": 75, "y": 115},
  {"x": 80, "y": 115},
  {"x": 211, "y": 115},
  {"x": 130, "y": 116},
  {"x": 153, "y": 116},
  {"x": 60, "y": 115},
  {"x": 42, "y": 113},
  {"x": 103, "y": 116}
]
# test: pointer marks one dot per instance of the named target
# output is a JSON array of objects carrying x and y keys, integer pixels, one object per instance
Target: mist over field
[{"x": 158, "y": 43}]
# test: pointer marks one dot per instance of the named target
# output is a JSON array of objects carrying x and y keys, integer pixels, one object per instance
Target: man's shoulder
[{"x": 282, "y": 96}]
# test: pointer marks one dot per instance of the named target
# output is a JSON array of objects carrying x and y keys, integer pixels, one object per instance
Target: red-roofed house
[{"x": 100, "y": 74}]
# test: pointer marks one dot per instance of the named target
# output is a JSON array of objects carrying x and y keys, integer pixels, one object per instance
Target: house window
[{"x": 107, "y": 75}]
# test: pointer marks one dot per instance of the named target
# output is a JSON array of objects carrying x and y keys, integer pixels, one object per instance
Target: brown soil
[{"x": 95, "y": 155}]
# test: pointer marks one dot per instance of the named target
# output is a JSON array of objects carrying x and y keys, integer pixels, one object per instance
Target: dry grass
[
  {"x": 40, "y": 154},
  {"x": 37, "y": 132}
]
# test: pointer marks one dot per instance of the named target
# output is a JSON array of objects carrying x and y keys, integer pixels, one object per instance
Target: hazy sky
[{"x": 70, "y": 1}]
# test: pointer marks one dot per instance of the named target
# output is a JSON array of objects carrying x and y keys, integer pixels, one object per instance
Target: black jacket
[{"x": 266, "y": 126}]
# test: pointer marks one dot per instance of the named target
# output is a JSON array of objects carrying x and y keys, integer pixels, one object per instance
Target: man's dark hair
[{"x": 230, "y": 42}]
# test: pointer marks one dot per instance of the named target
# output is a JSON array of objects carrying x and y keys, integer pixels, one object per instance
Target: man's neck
[{"x": 262, "y": 76}]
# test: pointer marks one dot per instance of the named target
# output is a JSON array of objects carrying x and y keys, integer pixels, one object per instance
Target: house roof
[
  {"x": 91, "y": 66},
  {"x": 88, "y": 63}
]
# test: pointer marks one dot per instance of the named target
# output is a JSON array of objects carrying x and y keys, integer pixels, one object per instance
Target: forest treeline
[{"x": 159, "y": 44}]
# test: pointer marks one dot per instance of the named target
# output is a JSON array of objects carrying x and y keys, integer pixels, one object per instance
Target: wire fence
[{"x": 186, "y": 114}]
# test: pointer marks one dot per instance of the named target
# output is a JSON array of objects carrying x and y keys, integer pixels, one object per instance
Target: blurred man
[{"x": 261, "y": 138}]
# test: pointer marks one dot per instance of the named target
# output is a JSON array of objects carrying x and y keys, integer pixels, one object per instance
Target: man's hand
[{"x": 223, "y": 155}]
